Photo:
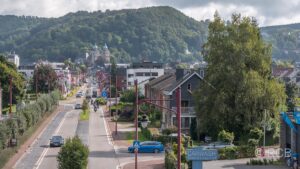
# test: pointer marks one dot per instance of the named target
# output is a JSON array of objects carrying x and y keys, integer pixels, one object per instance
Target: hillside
[
  {"x": 285, "y": 40},
  {"x": 155, "y": 33}
]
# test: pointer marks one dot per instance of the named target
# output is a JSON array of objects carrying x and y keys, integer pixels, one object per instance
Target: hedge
[{"x": 25, "y": 119}]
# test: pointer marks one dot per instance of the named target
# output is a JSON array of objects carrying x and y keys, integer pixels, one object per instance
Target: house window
[
  {"x": 189, "y": 87},
  {"x": 184, "y": 103},
  {"x": 154, "y": 74},
  {"x": 130, "y": 75},
  {"x": 202, "y": 73},
  {"x": 147, "y": 74},
  {"x": 129, "y": 83},
  {"x": 139, "y": 74}
]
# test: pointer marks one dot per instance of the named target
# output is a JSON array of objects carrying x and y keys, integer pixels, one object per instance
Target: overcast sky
[{"x": 267, "y": 12}]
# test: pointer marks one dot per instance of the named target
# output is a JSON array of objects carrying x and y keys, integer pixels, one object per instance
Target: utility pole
[
  {"x": 10, "y": 96},
  {"x": 178, "y": 104},
  {"x": 136, "y": 120},
  {"x": 36, "y": 85},
  {"x": 0, "y": 100},
  {"x": 116, "y": 105},
  {"x": 265, "y": 114}
]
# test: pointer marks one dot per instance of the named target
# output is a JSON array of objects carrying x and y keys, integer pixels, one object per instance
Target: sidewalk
[{"x": 157, "y": 164}]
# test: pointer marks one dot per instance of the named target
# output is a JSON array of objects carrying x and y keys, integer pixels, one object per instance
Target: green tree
[
  {"x": 46, "y": 78},
  {"x": 9, "y": 70},
  {"x": 225, "y": 136},
  {"x": 291, "y": 92},
  {"x": 73, "y": 155},
  {"x": 238, "y": 83}
]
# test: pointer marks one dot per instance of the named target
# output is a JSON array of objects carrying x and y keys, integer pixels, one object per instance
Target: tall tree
[
  {"x": 9, "y": 70},
  {"x": 46, "y": 78},
  {"x": 238, "y": 84},
  {"x": 291, "y": 92}
]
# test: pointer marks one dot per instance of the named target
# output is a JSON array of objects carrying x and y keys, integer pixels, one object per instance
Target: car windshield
[{"x": 56, "y": 138}]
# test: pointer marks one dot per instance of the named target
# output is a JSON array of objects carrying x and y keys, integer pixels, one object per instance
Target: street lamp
[{"x": 144, "y": 124}]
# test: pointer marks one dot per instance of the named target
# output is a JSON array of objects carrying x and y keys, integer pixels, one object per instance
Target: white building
[
  {"x": 143, "y": 72},
  {"x": 14, "y": 58},
  {"x": 27, "y": 71}
]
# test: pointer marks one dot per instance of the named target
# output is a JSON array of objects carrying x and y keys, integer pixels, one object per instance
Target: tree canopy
[
  {"x": 9, "y": 70},
  {"x": 238, "y": 84},
  {"x": 46, "y": 78}
]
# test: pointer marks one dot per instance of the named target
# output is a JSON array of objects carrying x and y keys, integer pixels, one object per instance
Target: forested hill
[
  {"x": 285, "y": 40},
  {"x": 154, "y": 33}
]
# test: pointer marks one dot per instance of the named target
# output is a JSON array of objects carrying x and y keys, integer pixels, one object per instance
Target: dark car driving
[{"x": 56, "y": 141}]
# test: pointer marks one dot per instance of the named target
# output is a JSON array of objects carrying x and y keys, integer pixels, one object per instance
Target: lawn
[{"x": 85, "y": 115}]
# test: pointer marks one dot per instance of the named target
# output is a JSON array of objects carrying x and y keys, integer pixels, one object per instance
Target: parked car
[
  {"x": 147, "y": 147},
  {"x": 78, "y": 95},
  {"x": 56, "y": 141},
  {"x": 217, "y": 145},
  {"x": 77, "y": 106}
]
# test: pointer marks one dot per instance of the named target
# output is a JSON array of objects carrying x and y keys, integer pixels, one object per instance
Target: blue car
[{"x": 147, "y": 147}]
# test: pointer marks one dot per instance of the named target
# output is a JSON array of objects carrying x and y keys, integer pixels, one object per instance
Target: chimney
[{"x": 180, "y": 73}]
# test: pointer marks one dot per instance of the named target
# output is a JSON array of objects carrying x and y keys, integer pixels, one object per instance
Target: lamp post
[
  {"x": 136, "y": 119},
  {"x": 116, "y": 95}
]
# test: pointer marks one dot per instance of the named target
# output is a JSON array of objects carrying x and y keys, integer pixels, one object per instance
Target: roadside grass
[
  {"x": 130, "y": 137},
  {"x": 84, "y": 115},
  {"x": 6, "y": 110},
  {"x": 7, "y": 153}
]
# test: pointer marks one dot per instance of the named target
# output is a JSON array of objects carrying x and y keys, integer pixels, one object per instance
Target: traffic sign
[
  {"x": 104, "y": 94},
  {"x": 201, "y": 154}
]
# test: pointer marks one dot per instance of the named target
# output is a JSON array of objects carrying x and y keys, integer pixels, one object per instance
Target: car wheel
[{"x": 156, "y": 151}]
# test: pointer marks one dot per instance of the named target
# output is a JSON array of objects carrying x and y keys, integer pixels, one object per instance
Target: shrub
[
  {"x": 225, "y": 136},
  {"x": 256, "y": 133},
  {"x": 170, "y": 160},
  {"x": 85, "y": 105},
  {"x": 228, "y": 153},
  {"x": 169, "y": 130},
  {"x": 73, "y": 155},
  {"x": 101, "y": 101}
]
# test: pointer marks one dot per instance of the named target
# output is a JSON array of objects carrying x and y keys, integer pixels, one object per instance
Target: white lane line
[
  {"x": 31, "y": 145},
  {"x": 106, "y": 128},
  {"x": 39, "y": 162}
]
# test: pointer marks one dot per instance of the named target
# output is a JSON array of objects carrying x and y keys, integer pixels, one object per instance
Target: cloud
[{"x": 267, "y": 12}]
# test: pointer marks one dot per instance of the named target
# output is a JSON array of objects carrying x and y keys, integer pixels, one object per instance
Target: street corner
[{"x": 151, "y": 164}]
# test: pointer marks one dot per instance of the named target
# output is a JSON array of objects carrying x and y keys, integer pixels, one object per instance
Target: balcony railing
[{"x": 185, "y": 110}]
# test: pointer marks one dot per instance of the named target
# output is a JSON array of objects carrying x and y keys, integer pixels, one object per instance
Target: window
[
  {"x": 139, "y": 74},
  {"x": 202, "y": 73},
  {"x": 130, "y": 75},
  {"x": 154, "y": 74},
  {"x": 147, "y": 74},
  {"x": 129, "y": 83},
  {"x": 189, "y": 87}
]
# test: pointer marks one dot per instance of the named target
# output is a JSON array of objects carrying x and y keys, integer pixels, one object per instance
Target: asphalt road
[
  {"x": 102, "y": 153},
  {"x": 40, "y": 155}
]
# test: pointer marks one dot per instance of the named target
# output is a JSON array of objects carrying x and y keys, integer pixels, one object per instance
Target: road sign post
[{"x": 198, "y": 154}]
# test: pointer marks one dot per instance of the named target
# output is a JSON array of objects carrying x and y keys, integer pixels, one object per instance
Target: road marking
[
  {"x": 28, "y": 150},
  {"x": 39, "y": 162},
  {"x": 106, "y": 128}
]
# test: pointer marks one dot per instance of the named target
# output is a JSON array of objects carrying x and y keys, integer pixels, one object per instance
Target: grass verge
[{"x": 85, "y": 115}]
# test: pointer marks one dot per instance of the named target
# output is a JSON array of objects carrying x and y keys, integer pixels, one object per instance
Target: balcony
[{"x": 185, "y": 110}]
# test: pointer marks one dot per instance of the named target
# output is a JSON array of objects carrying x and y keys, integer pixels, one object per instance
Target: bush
[
  {"x": 225, "y": 136},
  {"x": 85, "y": 105},
  {"x": 170, "y": 160},
  {"x": 169, "y": 130},
  {"x": 73, "y": 155},
  {"x": 101, "y": 101},
  {"x": 228, "y": 153},
  {"x": 256, "y": 133}
]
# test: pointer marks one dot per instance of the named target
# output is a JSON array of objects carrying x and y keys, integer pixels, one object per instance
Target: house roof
[
  {"x": 166, "y": 83},
  {"x": 173, "y": 87},
  {"x": 282, "y": 71},
  {"x": 159, "y": 79}
]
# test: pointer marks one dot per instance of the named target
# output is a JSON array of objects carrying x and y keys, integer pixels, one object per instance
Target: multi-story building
[
  {"x": 27, "y": 70},
  {"x": 163, "y": 89},
  {"x": 143, "y": 72},
  {"x": 14, "y": 58}
]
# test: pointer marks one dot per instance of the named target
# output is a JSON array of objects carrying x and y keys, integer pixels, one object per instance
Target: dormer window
[{"x": 189, "y": 87}]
